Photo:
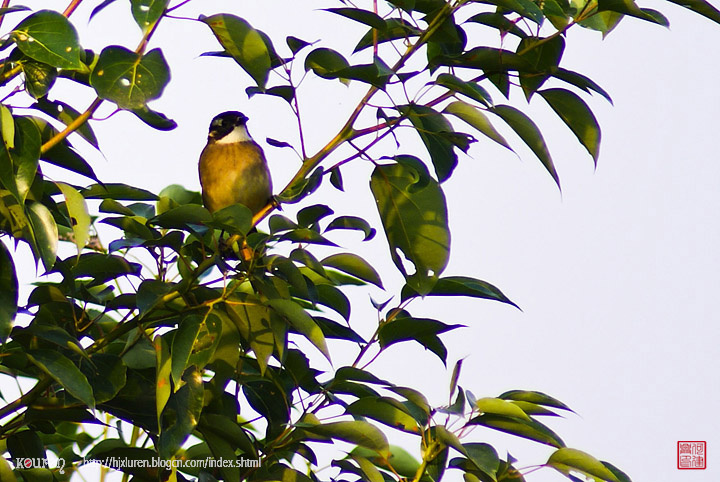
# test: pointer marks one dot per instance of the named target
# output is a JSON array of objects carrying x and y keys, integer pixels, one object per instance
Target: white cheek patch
[{"x": 239, "y": 134}]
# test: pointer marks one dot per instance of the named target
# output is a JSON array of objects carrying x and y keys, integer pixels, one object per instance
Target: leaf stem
[
  {"x": 71, "y": 127},
  {"x": 71, "y": 8}
]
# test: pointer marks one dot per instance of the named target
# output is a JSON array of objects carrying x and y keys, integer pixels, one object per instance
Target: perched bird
[{"x": 232, "y": 166}]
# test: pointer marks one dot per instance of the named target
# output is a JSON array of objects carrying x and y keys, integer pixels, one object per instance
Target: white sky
[{"x": 617, "y": 277}]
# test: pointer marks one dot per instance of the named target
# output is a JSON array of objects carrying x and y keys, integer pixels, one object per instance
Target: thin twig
[{"x": 71, "y": 8}]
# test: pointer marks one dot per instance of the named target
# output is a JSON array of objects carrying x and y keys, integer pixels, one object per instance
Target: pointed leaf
[
  {"x": 352, "y": 222},
  {"x": 534, "y": 397},
  {"x": 530, "y": 134},
  {"x": 700, "y": 6},
  {"x": 578, "y": 117},
  {"x": 628, "y": 7},
  {"x": 78, "y": 212},
  {"x": 302, "y": 322},
  {"x": 354, "y": 265},
  {"x": 8, "y": 292},
  {"x": 463, "y": 286},
  {"x": 474, "y": 116},
  {"x": 566, "y": 460},
  {"x": 66, "y": 114},
  {"x": 385, "y": 410},
  {"x": 582, "y": 82},
  {"x": 499, "y": 406},
  {"x": 357, "y": 432},
  {"x": 532, "y": 430},
  {"x": 19, "y": 163},
  {"x": 44, "y": 234},
  {"x": 359, "y": 15},
  {"x": 65, "y": 373},
  {"x": 433, "y": 129}
]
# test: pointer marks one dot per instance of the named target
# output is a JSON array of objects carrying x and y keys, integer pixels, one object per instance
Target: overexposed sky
[{"x": 616, "y": 276}]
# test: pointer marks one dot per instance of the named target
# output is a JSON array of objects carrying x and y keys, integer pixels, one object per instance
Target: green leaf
[
  {"x": 78, "y": 212},
  {"x": 295, "y": 44},
  {"x": 534, "y": 397},
  {"x": 354, "y": 265},
  {"x": 385, "y": 410},
  {"x": 530, "y": 134},
  {"x": 182, "y": 216},
  {"x": 628, "y": 7},
  {"x": 325, "y": 63},
  {"x": 544, "y": 55},
  {"x": 302, "y": 322},
  {"x": 39, "y": 77},
  {"x": 464, "y": 286},
  {"x": 65, "y": 373},
  {"x": 147, "y": 12},
  {"x": 432, "y": 127},
  {"x": 183, "y": 343},
  {"x": 395, "y": 28},
  {"x": 19, "y": 163},
  {"x": 267, "y": 399},
  {"x": 117, "y": 191},
  {"x": 415, "y": 221},
  {"x": 467, "y": 88},
  {"x": 352, "y": 222},
  {"x": 107, "y": 374},
  {"x": 532, "y": 430},
  {"x": 484, "y": 456},
  {"x": 360, "y": 433},
  {"x": 150, "y": 294},
  {"x": 7, "y": 127},
  {"x": 181, "y": 414},
  {"x": 359, "y": 15},
  {"x": 129, "y": 79},
  {"x": 66, "y": 114},
  {"x": 421, "y": 330},
  {"x": 566, "y": 460},
  {"x": 371, "y": 473},
  {"x": 48, "y": 37},
  {"x": 582, "y": 82},
  {"x": 578, "y": 117},
  {"x": 8, "y": 293},
  {"x": 700, "y": 6},
  {"x": 488, "y": 59},
  {"x": 474, "y": 117},
  {"x": 250, "y": 48},
  {"x": 498, "y": 406},
  {"x": 526, "y": 8},
  {"x": 498, "y": 21},
  {"x": 253, "y": 321},
  {"x": 156, "y": 120},
  {"x": 43, "y": 234}
]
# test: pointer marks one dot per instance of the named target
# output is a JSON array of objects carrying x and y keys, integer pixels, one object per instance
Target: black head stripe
[{"x": 224, "y": 123}]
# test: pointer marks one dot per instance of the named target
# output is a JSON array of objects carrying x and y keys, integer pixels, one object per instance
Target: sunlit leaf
[
  {"x": 302, "y": 322},
  {"x": 354, "y": 265},
  {"x": 475, "y": 117},
  {"x": 566, "y": 460},
  {"x": 359, "y": 15},
  {"x": 78, "y": 213},
  {"x": 629, "y": 7},
  {"x": 19, "y": 163},
  {"x": 415, "y": 222},
  {"x": 357, "y": 432}
]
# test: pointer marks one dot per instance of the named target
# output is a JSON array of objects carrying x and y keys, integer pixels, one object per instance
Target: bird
[{"x": 232, "y": 166}]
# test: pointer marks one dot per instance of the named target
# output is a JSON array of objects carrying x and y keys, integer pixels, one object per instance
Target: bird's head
[{"x": 229, "y": 127}]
